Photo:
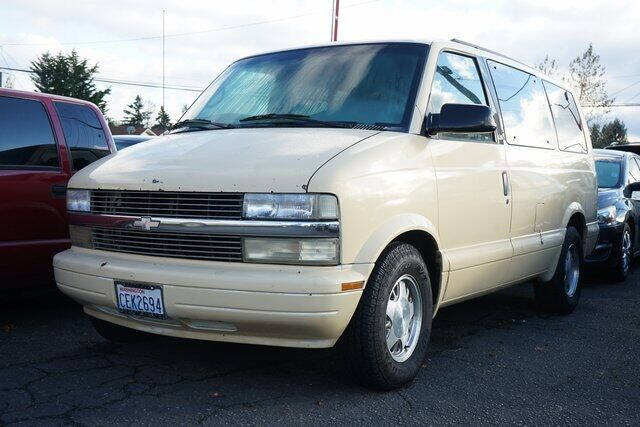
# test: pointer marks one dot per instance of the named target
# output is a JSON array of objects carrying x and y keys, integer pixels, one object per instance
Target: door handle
[
  {"x": 505, "y": 183},
  {"x": 59, "y": 191}
]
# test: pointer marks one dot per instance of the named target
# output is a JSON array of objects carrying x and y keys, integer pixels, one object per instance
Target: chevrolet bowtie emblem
[{"x": 146, "y": 223}]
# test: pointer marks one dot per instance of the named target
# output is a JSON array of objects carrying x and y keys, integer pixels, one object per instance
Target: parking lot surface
[{"x": 493, "y": 360}]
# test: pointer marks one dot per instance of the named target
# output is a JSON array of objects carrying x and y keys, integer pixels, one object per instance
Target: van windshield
[
  {"x": 342, "y": 86},
  {"x": 608, "y": 173}
]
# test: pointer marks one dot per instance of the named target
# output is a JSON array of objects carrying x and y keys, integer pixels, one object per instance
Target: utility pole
[
  {"x": 334, "y": 20},
  {"x": 163, "y": 60}
]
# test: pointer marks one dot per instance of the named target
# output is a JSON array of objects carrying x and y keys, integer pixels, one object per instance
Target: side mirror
[
  {"x": 632, "y": 188},
  {"x": 461, "y": 118}
]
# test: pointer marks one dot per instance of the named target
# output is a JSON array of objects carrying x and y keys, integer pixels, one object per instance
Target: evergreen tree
[
  {"x": 163, "y": 120},
  {"x": 136, "y": 115},
  {"x": 594, "y": 131},
  {"x": 614, "y": 132},
  {"x": 68, "y": 75}
]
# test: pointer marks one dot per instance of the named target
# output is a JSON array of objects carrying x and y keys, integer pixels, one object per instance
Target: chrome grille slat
[
  {"x": 176, "y": 246},
  {"x": 168, "y": 244},
  {"x": 158, "y": 203},
  {"x": 158, "y": 198},
  {"x": 174, "y": 209},
  {"x": 181, "y": 238},
  {"x": 167, "y": 204},
  {"x": 186, "y": 251}
]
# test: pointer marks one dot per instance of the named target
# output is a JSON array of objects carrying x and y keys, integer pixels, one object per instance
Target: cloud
[{"x": 524, "y": 29}]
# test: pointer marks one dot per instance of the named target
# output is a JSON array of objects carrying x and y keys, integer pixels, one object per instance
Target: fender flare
[
  {"x": 396, "y": 226},
  {"x": 390, "y": 230},
  {"x": 571, "y": 210}
]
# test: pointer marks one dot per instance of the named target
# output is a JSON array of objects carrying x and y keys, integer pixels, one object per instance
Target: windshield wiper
[
  {"x": 200, "y": 124},
  {"x": 297, "y": 118}
]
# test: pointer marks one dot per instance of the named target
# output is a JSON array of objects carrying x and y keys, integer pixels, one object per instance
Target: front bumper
[
  {"x": 607, "y": 247},
  {"x": 281, "y": 305}
]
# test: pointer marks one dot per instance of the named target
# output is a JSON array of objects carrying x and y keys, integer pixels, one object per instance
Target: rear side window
[
  {"x": 524, "y": 106},
  {"x": 83, "y": 132},
  {"x": 608, "y": 173},
  {"x": 567, "y": 119},
  {"x": 457, "y": 81},
  {"x": 26, "y": 137}
]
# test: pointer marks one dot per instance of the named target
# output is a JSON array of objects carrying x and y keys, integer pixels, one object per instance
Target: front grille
[
  {"x": 168, "y": 204},
  {"x": 175, "y": 245}
]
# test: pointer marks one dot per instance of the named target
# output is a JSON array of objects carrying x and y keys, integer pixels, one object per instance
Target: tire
[
  {"x": 561, "y": 294},
  {"x": 399, "y": 285},
  {"x": 624, "y": 255},
  {"x": 117, "y": 333}
]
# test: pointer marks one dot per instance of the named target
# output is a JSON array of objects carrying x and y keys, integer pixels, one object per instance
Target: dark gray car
[
  {"x": 124, "y": 141},
  {"x": 618, "y": 210}
]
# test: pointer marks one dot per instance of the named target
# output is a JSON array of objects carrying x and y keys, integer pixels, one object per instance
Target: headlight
[
  {"x": 322, "y": 251},
  {"x": 607, "y": 216},
  {"x": 79, "y": 200},
  {"x": 290, "y": 206}
]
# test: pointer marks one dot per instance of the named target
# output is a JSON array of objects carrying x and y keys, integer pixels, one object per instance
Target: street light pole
[
  {"x": 163, "y": 12},
  {"x": 334, "y": 20}
]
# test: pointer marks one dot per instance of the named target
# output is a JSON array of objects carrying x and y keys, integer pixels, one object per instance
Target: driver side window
[{"x": 457, "y": 81}]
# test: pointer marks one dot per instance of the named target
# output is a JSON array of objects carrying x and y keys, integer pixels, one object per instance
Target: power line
[
  {"x": 190, "y": 33},
  {"x": 122, "y": 82},
  {"x": 197, "y": 89},
  {"x": 621, "y": 104},
  {"x": 625, "y": 88}
]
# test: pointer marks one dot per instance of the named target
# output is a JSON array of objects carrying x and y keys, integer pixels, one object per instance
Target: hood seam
[{"x": 335, "y": 155}]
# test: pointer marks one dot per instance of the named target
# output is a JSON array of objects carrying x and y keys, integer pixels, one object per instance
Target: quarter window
[
  {"x": 83, "y": 132},
  {"x": 26, "y": 137},
  {"x": 457, "y": 81},
  {"x": 567, "y": 119},
  {"x": 525, "y": 109}
]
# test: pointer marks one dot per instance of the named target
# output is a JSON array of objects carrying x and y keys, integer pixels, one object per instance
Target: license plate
[{"x": 140, "y": 299}]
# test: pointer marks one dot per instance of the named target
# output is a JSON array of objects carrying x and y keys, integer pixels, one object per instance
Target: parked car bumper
[
  {"x": 279, "y": 305},
  {"x": 607, "y": 247}
]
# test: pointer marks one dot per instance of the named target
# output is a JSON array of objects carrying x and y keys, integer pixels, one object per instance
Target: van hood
[{"x": 224, "y": 160}]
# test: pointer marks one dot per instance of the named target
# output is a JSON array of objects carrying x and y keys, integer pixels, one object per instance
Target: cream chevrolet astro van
[{"x": 348, "y": 190}]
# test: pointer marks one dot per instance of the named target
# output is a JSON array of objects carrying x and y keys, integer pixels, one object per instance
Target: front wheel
[
  {"x": 625, "y": 251},
  {"x": 561, "y": 294},
  {"x": 387, "y": 338}
]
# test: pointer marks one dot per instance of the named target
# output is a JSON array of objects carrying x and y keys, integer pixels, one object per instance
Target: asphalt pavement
[{"x": 493, "y": 360}]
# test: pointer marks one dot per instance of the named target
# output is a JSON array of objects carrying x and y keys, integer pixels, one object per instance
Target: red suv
[{"x": 44, "y": 139}]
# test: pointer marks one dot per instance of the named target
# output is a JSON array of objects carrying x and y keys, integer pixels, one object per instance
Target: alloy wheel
[
  {"x": 403, "y": 318},
  {"x": 571, "y": 270}
]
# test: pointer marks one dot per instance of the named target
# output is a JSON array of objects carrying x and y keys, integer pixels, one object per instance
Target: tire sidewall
[
  {"x": 572, "y": 236},
  {"x": 621, "y": 273},
  {"x": 402, "y": 372}
]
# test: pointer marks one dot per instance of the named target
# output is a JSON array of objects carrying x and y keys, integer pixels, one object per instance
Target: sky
[{"x": 220, "y": 32}]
